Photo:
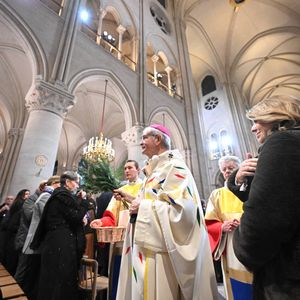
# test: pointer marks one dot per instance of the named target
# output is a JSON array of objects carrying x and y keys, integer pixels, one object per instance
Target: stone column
[
  {"x": 179, "y": 84},
  {"x": 134, "y": 51},
  {"x": 132, "y": 138},
  {"x": 155, "y": 59},
  {"x": 168, "y": 70},
  {"x": 102, "y": 14},
  {"x": 10, "y": 153},
  {"x": 47, "y": 105},
  {"x": 195, "y": 133},
  {"x": 121, "y": 29}
]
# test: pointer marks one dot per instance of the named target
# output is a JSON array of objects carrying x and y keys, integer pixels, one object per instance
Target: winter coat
[
  {"x": 60, "y": 234},
  {"x": 26, "y": 215},
  {"x": 267, "y": 241}
]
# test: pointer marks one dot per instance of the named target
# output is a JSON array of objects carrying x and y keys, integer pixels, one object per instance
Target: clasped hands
[
  {"x": 229, "y": 226},
  {"x": 123, "y": 196}
]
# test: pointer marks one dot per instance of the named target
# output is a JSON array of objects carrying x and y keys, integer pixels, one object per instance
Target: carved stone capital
[
  {"x": 132, "y": 136},
  {"x": 121, "y": 29},
  {"x": 46, "y": 96},
  {"x": 155, "y": 58},
  {"x": 102, "y": 12},
  {"x": 168, "y": 69}
]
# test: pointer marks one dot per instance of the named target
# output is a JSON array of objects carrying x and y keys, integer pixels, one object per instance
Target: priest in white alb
[{"x": 166, "y": 252}]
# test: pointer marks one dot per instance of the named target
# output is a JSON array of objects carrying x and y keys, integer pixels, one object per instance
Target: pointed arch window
[
  {"x": 214, "y": 146},
  {"x": 220, "y": 145},
  {"x": 225, "y": 142},
  {"x": 208, "y": 85},
  {"x": 162, "y": 2}
]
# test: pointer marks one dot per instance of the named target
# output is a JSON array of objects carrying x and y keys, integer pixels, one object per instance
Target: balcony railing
[
  {"x": 55, "y": 5},
  {"x": 108, "y": 47},
  {"x": 163, "y": 87}
]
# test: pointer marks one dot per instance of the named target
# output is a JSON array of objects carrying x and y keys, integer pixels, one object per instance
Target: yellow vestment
[{"x": 222, "y": 206}]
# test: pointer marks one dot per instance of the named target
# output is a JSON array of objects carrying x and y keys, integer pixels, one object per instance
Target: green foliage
[
  {"x": 119, "y": 172},
  {"x": 98, "y": 176}
]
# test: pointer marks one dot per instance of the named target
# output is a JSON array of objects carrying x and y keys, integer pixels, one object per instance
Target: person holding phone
[{"x": 267, "y": 240}]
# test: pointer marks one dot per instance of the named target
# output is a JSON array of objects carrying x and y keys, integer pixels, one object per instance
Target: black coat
[
  {"x": 242, "y": 195},
  {"x": 8, "y": 233},
  {"x": 103, "y": 248},
  {"x": 61, "y": 236},
  {"x": 267, "y": 241}
]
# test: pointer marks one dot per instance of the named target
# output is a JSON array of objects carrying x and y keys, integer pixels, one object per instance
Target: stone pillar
[
  {"x": 195, "y": 133},
  {"x": 121, "y": 29},
  {"x": 168, "y": 70},
  {"x": 134, "y": 52},
  {"x": 67, "y": 38},
  {"x": 179, "y": 84},
  {"x": 155, "y": 59},
  {"x": 8, "y": 158},
  {"x": 102, "y": 14},
  {"x": 132, "y": 138},
  {"x": 47, "y": 106}
]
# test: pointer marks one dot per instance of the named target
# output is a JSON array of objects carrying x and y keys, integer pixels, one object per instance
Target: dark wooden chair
[{"x": 89, "y": 280}]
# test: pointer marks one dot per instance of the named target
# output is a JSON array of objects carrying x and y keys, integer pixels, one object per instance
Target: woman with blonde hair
[{"x": 267, "y": 241}]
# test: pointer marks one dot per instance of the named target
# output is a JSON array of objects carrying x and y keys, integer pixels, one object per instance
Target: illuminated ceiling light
[
  {"x": 159, "y": 76},
  {"x": 236, "y": 4},
  {"x": 84, "y": 15},
  {"x": 99, "y": 148}
]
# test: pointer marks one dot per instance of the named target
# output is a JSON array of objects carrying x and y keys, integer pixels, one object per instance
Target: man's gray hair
[
  {"x": 228, "y": 158},
  {"x": 70, "y": 175},
  {"x": 165, "y": 141}
]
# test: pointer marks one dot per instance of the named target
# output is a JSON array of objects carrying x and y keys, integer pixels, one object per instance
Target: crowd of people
[{"x": 251, "y": 224}]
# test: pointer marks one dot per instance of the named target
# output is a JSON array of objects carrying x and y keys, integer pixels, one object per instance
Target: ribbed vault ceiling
[{"x": 255, "y": 46}]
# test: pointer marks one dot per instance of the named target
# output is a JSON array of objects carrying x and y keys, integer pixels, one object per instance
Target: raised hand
[
  {"x": 122, "y": 196},
  {"x": 247, "y": 168}
]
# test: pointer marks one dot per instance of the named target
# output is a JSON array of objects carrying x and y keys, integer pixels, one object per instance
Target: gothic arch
[
  {"x": 126, "y": 19},
  {"x": 27, "y": 39},
  {"x": 130, "y": 114},
  {"x": 22, "y": 60},
  {"x": 172, "y": 123},
  {"x": 160, "y": 45}
]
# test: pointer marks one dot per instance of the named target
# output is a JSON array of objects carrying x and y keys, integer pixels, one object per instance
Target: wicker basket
[{"x": 110, "y": 234}]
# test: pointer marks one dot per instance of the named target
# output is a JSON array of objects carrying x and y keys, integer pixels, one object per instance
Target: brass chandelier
[{"x": 99, "y": 148}]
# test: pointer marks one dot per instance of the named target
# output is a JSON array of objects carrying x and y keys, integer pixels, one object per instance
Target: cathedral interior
[{"x": 72, "y": 69}]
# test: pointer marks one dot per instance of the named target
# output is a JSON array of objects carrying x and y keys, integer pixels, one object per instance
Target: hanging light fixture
[
  {"x": 236, "y": 4},
  {"x": 99, "y": 148}
]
